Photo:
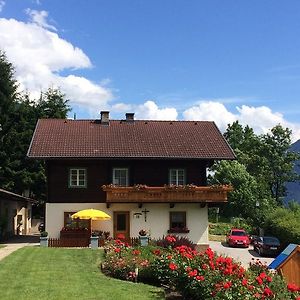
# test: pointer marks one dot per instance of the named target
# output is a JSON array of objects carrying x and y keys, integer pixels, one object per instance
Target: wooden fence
[
  {"x": 83, "y": 242},
  {"x": 69, "y": 242}
]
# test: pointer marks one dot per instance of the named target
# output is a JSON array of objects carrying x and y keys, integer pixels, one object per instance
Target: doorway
[{"x": 121, "y": 224}]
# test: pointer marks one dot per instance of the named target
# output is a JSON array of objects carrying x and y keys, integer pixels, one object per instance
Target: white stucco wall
[{"x": 157, "y": 218}]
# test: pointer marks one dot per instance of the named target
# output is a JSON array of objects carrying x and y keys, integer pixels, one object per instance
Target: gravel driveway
[{"x": 243, "y": 255}]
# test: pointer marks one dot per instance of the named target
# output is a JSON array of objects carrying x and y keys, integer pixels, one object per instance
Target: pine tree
[{"x": 8, "y": 98}]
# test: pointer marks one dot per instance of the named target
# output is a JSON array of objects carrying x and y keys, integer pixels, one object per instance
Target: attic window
[
  {"x": 77, "y": 178},
  {"x": 120, "y": 176},
  {"x": 177, "y": 176}
]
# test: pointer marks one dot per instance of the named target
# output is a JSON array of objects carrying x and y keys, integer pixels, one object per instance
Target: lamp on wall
[{"x": 137, "y": 215}]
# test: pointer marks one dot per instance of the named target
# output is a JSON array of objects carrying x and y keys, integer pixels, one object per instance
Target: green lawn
[
  {"x": 2, "y": 246},
  {"x": 56, "y": 273}
]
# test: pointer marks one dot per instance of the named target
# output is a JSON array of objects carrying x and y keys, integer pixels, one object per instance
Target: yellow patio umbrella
[{"x": 93, "y": 214}]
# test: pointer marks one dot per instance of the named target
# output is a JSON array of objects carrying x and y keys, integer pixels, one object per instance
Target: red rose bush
[{"x": 196, "y": 275}]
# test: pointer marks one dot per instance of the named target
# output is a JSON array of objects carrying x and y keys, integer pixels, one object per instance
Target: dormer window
[
  {"x": 120, "y": 176},
  {"x": 177, "y": 177},
  {"x": 77, "y": 178}
]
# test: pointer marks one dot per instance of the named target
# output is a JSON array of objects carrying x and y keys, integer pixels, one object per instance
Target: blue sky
[{"x": 218, "y": 60}]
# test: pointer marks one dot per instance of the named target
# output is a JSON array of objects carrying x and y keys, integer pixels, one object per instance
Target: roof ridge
[{"x": 136, "y": 120}]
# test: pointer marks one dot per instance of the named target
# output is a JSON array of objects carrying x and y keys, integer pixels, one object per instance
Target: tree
[
  {"x": 243, "y": 200},
  {"x": 8, "y": 97},
  {"x": 18, "y": 117},
  {"x": 266, "y": 157},
  {"x": 245, "y": 144},
  {"x": 52, "y": 104},
  {"x": 279, "y": 161}
]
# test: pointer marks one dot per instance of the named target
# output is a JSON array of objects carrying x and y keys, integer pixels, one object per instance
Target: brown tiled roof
[{"x": 56, "y": 138}]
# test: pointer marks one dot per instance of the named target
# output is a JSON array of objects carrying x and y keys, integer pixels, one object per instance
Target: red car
[{"x": 238, "y": 238}]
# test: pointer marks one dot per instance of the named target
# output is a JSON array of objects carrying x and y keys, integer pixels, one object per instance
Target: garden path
[
  {"x": 18, "y": 242},
  {"x": 245, "y": 256}
]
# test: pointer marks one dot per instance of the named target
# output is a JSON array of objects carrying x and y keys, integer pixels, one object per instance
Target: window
[
  {"x": 177, "y": 176},
  {"x": 120, "y": 176},
  {"x": 70, "y": 224},
  {"x": 178, "y": 222},
  {"x": 77, "y": 178}
]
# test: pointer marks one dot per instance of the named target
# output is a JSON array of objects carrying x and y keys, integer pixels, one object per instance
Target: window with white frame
[
  {"x": 120, "y": 176},
  {"x": 177, "y": 176},
  {"x": 77, "y": 177}
]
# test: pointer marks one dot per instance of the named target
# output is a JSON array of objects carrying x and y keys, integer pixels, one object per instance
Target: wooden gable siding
[{"x": 99, "y": 172}]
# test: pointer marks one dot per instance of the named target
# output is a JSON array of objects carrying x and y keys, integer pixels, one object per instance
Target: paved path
[
  {"x": 245, "y": 256},
  {"x": 18, "y": 242}
]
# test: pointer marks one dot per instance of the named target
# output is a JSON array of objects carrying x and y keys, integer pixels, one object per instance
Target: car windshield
[
  {"x": 238, "y": 233},
  {"x": 271, "y": 240}
]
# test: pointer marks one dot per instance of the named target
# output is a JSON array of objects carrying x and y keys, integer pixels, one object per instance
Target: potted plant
[
  {"x": 94, "y": 240},
  {"x": 143, "y": 237},
  {"x": 44, "y": 239}
]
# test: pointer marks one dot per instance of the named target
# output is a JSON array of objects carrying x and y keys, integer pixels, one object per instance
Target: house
[
  {"x": 145, "y": 174},
  {"x": 15, "y": 214},
  {"x": 287, "y": 264}
]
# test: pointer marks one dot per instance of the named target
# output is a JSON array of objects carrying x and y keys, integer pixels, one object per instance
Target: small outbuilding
[
  {"x": 287, "y": 263},
  {"x": 15, "y": 214}
]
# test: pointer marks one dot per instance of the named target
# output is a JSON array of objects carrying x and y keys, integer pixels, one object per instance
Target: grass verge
[
  {"x": 56, "y": 273},
  {"x": 217, "y": 238}
]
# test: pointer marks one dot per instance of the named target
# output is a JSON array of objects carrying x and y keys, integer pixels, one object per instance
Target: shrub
[
  {"x": 44, "y": 234},
  {"x": 196, "y": 275},
  {"x": 241, "y": 223},
  {"x": 284, "y": 224},
  {"x": 173, "y": 241},
  {"x": 219, "y": 228}
]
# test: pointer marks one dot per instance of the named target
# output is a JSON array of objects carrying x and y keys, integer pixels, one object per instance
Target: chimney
[
  {"x": 104, "y": 117},
  {"x": 129, "y": 117}
]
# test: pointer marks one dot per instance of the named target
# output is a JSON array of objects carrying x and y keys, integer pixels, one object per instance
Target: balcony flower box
[
  {"x": 166, "y": 194},
  {"x": 178, "y": 230}
]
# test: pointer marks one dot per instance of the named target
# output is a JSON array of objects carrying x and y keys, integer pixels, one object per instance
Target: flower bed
[{"x": 195, "y": 275}]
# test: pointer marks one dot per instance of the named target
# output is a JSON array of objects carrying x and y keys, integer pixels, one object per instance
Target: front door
[{"x": 121, "y": 224}]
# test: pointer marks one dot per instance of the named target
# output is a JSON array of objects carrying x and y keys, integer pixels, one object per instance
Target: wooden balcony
[{"x": 166, "y": 194}]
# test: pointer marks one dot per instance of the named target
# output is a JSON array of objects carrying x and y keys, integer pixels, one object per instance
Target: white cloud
[
  {"x": 39, "y": 17},
  {"x": 121, "y": 107},
  {"x": 150, "y": 111},
  {"x": 210, "y": 111},
  {"x": 39, "y": 56},
  {"x": 260, "y": 118},
  {"x": 2, "y": 3}
]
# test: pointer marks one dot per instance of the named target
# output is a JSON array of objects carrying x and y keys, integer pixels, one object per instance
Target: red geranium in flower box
[{"x": 178, "y": 230}]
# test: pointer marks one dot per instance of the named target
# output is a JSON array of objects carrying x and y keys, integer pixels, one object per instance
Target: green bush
[
  {"x": 219, "y": 228},
  {"x": 241, "y": 223},
  {"x": 44, "y": 234},
  {"x": 284, "y": 223}
]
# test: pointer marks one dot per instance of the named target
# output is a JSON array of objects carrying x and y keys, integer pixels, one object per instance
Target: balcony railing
[{"x": 166, "y": 194}]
